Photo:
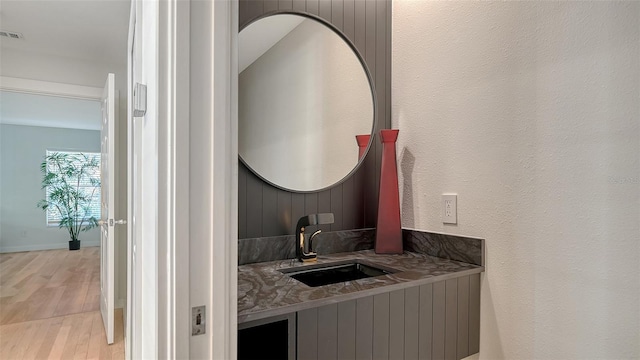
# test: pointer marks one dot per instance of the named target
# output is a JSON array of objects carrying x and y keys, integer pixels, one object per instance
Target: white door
[{"x": 107, "y": 178}]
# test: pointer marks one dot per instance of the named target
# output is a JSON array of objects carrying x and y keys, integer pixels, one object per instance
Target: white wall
[
  {"x": 20, "y": 64},
  {"x": 23, "y": 226},
  {"x": 529, "y": 111}
]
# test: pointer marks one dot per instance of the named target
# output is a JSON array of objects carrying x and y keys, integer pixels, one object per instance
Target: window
[{"x": 85, "y": 186}]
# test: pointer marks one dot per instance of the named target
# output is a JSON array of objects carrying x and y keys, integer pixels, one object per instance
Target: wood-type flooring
[{"x": 50, "y": 307}]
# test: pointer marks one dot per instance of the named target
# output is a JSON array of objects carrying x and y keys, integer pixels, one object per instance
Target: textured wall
[
  {"x": 264, "y": 210},
  {"x": 530, "y": 112}
]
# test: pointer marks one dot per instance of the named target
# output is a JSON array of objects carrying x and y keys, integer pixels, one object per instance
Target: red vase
[
  {"x": 363, "y": 141},
  {"x": 388, "y": 229}
]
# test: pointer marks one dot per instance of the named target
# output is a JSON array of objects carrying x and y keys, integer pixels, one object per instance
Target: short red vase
[
  {"x": 388, "y": 229},
  {"x": 363, "y": 141}
]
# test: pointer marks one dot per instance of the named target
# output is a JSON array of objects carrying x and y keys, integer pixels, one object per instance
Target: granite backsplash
[{"x": 453, "y": 247}]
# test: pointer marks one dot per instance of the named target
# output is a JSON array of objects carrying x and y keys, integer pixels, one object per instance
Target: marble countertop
[{"x": 264, "y": 291}]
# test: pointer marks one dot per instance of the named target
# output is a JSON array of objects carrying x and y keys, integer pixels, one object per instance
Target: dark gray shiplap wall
[{"x": 264, "y": 210}]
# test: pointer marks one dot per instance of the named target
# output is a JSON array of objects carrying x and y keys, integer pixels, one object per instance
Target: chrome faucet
[{"x": 315, "y": 219}]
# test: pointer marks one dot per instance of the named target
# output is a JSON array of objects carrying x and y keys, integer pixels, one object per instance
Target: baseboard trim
[{"x": 21, "y": 248}]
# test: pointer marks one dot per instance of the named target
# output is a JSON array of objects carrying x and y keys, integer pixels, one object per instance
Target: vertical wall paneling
[
  {"x": 411, "y": 322},
  {"x": 360, "y": 27},
  {"x": 254, "y": 206},
  {"x": 425, "y": 328},
  {"x": 474, "y": 313},
  {"x": 359, "y": 199},
  {"x": 311, "y": 203},
  {"x": 348, "y": 19},
  {"x": 364, "y": 328},
  {"x": 380, "y": 76},
  {"x": 354, "y": 187},
  {"x": 324, "y": 206},
  {"x": 324, "y": 9},
  {"x": 348, "y": 202},
  {"x": 347, "y": 330},
  {"x": 451, "y": 319},
  {"x": 254, "y": 9},
  {"x": 313, "y": 7},
  {"x": 270, "y": 213},
  {"x": 367, "y": 24},
  {"x": 297, "y": 210},
  {"x": 243, "y": 9},
  {"x": 242, "y": 199},
  {"x": 285, "y": 5},
  {"x": 437, "y": 339},
  {"x": 396, "y": 325},
  {"x": 284, "y": 212},
  {"x": 299, "y": 5},
  {"x": 307, "y": 330},
  {"x": 327, "y": 332},
  {"x": 336, "y": 207},
  {"x": 371, "y": 166},
  {"x": 387, "y": 96},
  {"x": 270, "y": 5},
  {"x": 337, "y": 8},
  {"x": 381, "y": 318},
  {"x": 463, "y": 317}
]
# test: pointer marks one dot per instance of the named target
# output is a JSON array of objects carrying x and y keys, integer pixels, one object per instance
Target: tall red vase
[
  {"x": 363, "y": 141},
  {"x": 388, "y": 229}
]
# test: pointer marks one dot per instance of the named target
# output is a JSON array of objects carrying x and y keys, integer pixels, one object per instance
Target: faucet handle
[{"x": 316, "y": 219}]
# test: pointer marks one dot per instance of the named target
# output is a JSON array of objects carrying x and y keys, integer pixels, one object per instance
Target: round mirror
[{"x": 303, "y": 97}]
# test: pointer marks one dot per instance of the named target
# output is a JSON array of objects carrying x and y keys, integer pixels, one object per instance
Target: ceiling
[
  {"x": 88, "y": 30},
  {"x": 92, "y": 30}
]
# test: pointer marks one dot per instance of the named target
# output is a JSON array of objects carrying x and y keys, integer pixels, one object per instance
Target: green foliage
[{"x": 65, "y": 179}]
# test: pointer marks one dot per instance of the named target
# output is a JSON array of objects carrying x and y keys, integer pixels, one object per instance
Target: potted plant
[{"x": 70, "y": 184}]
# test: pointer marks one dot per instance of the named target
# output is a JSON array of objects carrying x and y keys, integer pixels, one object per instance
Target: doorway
[{"x": 48, "y": 293}]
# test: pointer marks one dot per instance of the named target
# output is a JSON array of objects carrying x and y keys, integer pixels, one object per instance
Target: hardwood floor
[{"x": 50, "y": 307}]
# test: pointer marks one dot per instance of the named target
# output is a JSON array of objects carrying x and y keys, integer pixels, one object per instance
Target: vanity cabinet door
[{"x": 433, "y": 321}]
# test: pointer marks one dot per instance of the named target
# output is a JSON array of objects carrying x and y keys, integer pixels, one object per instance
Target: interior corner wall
[
  {"x": 23, "y": 226},
  {"x": 529, "y": 111},
  {"x": 25, "y": 65},
  {"x": 264, "y": 210}
]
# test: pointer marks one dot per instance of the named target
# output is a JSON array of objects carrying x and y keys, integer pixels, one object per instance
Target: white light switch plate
[{"x": 449, "y": 208}]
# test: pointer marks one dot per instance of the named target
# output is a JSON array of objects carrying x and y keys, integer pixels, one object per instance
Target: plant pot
[{"x": 74, "y": 245}]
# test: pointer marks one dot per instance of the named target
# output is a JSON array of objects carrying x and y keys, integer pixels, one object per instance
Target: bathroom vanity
[
  {"x": 428, "y": 309},
  {"x": 425, "y": 306}
]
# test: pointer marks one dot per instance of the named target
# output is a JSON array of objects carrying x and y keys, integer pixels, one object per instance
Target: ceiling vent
[{"x": 11, "y": 34}]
